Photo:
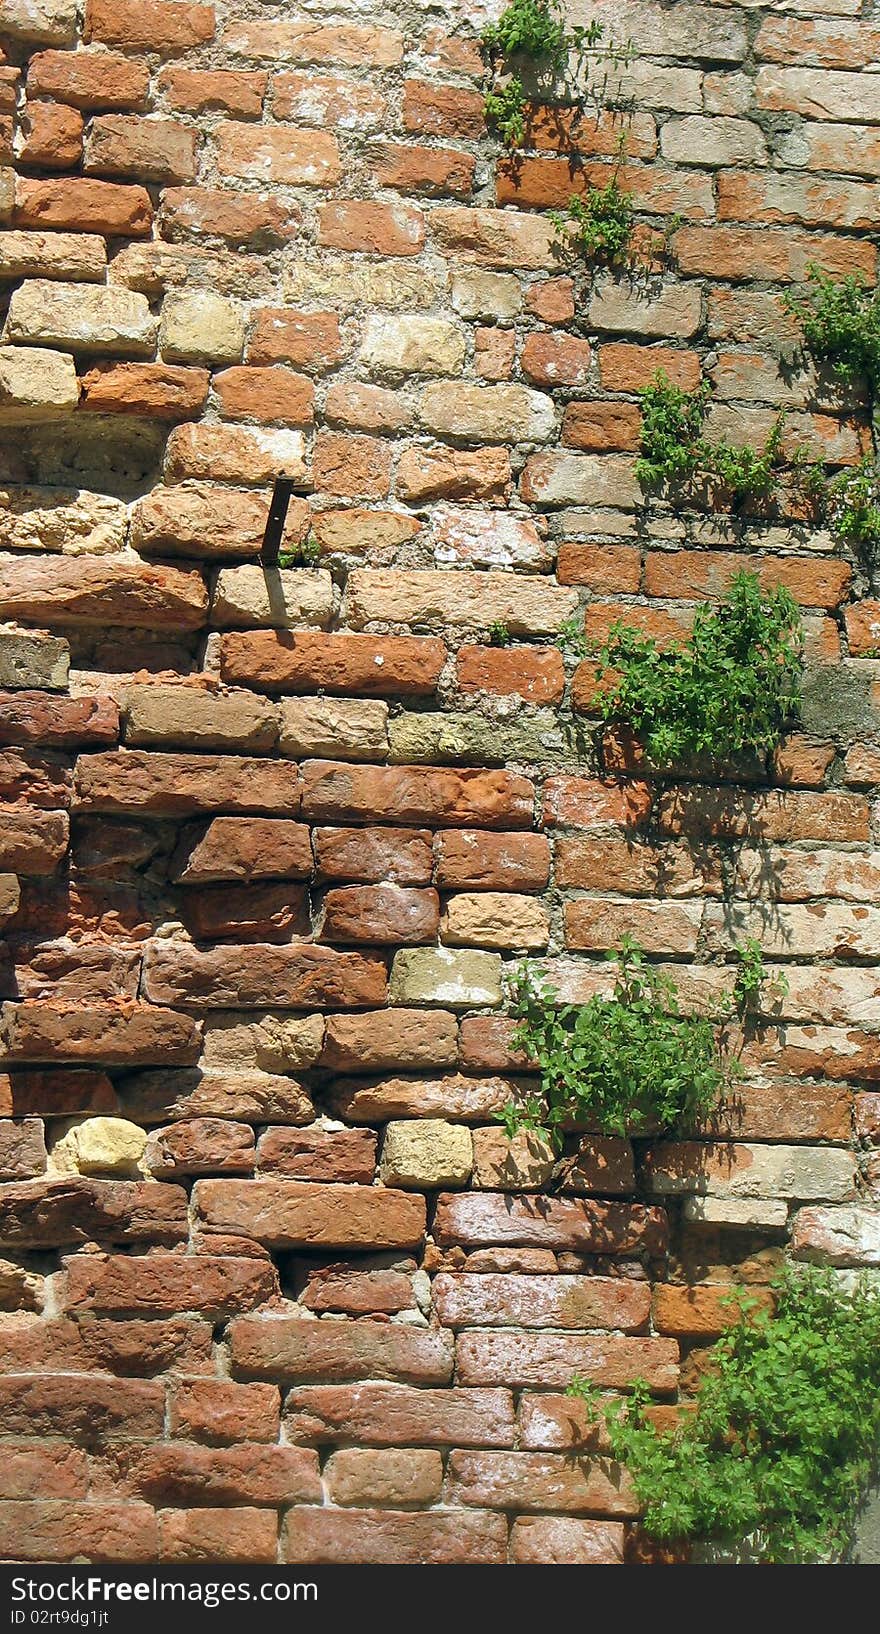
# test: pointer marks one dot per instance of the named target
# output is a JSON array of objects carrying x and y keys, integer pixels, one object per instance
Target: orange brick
[
  {"x": 238, "y": 218},
  {"x": 160, "y": 390},
  {"x": 377, "y": 229},
  {"x": 351, "y": 467},
  {"x": 698, "y": 574},
  {"x": 600, "y": 567},
  {"x": 537, "y": 674},
  {"x": 432, "y": 171},
  {"x": 443, "y": 110},
  {"x": 774, "y": 253},
  {"x": 494, "y": 353},
  {"x": 328, "y": 100},
  {"x": 602, "y": 427},
  {"x": 78, "y": 204},
  {"x": 89, "y": 79},
  {"x": 149, "y": 25},
  {"x": 154, "y": 150},
  {"x": 556, "y": 360},
  {"x": 552, "y": 300},
  {"x": 53, "y": 136},
  {"x": 272, "y": 395},
  {"x": 202, "y": 90},
  {"x": 309, "y": 340},
  {"x": 626, "y": 367}
]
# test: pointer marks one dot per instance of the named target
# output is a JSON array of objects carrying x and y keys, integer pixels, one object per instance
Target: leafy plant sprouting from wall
[
  {"x": 732, "y": 686},
  {"x": 841, "y": 326},
  {"x": 674, "y": 453},
  {"x": 597, "y": 225},
  {"x": 532, "y": 41},
  {"x": 782, "y": 1443}
]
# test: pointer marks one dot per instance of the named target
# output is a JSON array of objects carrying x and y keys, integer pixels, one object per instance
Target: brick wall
[{"x": 275, "y": 1285}]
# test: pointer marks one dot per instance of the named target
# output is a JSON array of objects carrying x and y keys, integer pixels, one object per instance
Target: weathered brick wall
[{"x": 270, "y": 838}]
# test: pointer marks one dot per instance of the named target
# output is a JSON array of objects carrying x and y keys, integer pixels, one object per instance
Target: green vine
[
  {"x": 305, "y": 554},
  {"x": 674, "y": 453},
  {"x": 782, "y": 1444},
  {"x": 597, "y": 225},
  {"x": 620, "y": 1065},
  {"x": 532, "y": 38},
  {"x": 733, "y": 686}
]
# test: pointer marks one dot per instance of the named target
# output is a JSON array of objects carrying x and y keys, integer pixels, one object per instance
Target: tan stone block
[
  {"x": 73, "y": 521},
  {"x": 620, "y": 304},
  {"x": 195, "y": 717},
  {"x": 36, "y": 384},
  {"x": 338, "y": 283},
  {"x": 272, "y": 598},
  {"x": 495, "y": 919},
  {"x": 412, "y": 345},
  {"x": 242, "y": 1040},
  {"x": 79, "y": 256},
  {"x": 81, "y": 317},
  {"x": 503, "y": 413},
  {"x": 444, "y": 976},
  {"x": 521, "y": 1162},
  {"x": 490, "y": 297},
  {"x": 99, "y": 1146},
  {"x": 528, "y": 606},
  {"x": 200, "y": 326},
  {"x": 426, "y": 1152},
  {"x": 338, "y": 728}
]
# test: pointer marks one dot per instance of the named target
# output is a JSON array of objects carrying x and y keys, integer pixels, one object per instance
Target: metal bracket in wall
[{"x": 282, "y": 493}]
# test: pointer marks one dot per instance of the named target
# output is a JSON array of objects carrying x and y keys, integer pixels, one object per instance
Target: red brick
[
  {"x": 265, "y": 913},
  {"x": 31, "y": 841},
  {"x": 158, "y": 150},
  {"x": 345, "y": 44},
  {"x": 259, "y": 1474},
  {"x": 309, "y": 340},
  {"x": 597, "y": 924},
  {"x": 218, "y": 1535},
  {"x": 92, "y": 1532},
  {"x": 293, "y": 1214},
  {"x": 357, "y": 1476},
  {"x": 82, "y": 1406},
  {"x": 627, "y": 367},
  {"x": 237, "y": 218},
  {"x": 102, "y": 590},
  {"x": 364, "y": 408},
  {"x": 328, "y": 100},
  {"x": 560, "y": 1540},
  {"x": 774, "y": 253},
  {"x": 549, "y": 183},
  {"x": 346, "y": 1155},
  {"x": 453, "y": 473},
  {"x": 863, "y": 628},
  {"x": 294, "y": 1348},
  {"x": 294, "y": 976},
  {"x": 149, "y": 25},
  {"x": 107, "y": 1345},
  {"x": 556, "y": 360},
  {"x": 385, "y": 1537},
  {"x": 172, "y": 784},
  {"x": 380, "y": 914},
  {"x": 53, "y": 136},
  {"x": 700, "y": 1312},
  {"x": 443, "y": 110},
  {"x": 433, "y": 171},
  {"x": 508, "y": 1300},
  {"x": 416, "y": 795},
  {"x": 168, "y": 1283},
  {"x": 156, "y": 390},
  {"x": 476, "y": 860},
  {"x": 454, "y": 1096},
  {"x": 89, "y": 79},
  {"x": 771, "y": 816},
  {"x": 273, "y": 395},
  {"x": 238, "y": 92},
  {"x": 541, "y": 1222},
  {"x": 561, "y": 129},
  {"x": 601, "y": 567},
  {"x": 78, "y": 204},
  {"x": 374, "y": 855},
  {"x": 586, "y": 803},
  {"x": 538, "y": 1481},
  {"x": 358, "y": 1293},
  {"x": 218, "y": 1411},
  {"x": 390, "y": 1041},
  {"x": 243, "y": 849},
  {"x": 521, "y": 1360},
  {"x": 134, "y": 1035},
  {"x": 538, "y": 675},
  {"x": 307, "y": 662},
  {"x": 51, "y": 1469},
  {"x": 351, "y": 467},
  {"x": 552, "y": 300},
  {"x": 277, "y": 154},
  {"x": 378, "y": 229},
  {"x": 397, "y": 1415},
  {"x": 602, "y": 427},
  {"x": 57, "y": 722},
  {"x": 494, "y": 353},
  {"x": 699, "y": 574},
  {"x": 201, "y": 1146},
  {"x": 826, "y": 42}
]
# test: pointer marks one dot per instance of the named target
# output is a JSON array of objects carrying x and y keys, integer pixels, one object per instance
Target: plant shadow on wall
[
  {"x": 537, "y": 64},
  {"x": 773, "y": 1459}
]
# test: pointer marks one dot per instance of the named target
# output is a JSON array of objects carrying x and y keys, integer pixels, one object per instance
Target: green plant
[
  {"x": 854, "y": 509},
  {"x": 499, "y": 634},
  {"x": 532, "y": 37},
  {"x": 305, "y": 553},
  {"x": 733, "y": 685},
  {"x": 674, "y": 453},
  {"x": 630, "y": 1062},
  {"x": 751, "y": 978},
  {"x": 782, "y": 1444},
  {"x": 841, "y": 323},
  {"x": 597, "y": 224}
]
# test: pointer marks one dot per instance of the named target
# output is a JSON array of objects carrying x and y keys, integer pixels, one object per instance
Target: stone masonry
[{"x": 274, "y": 1283}]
